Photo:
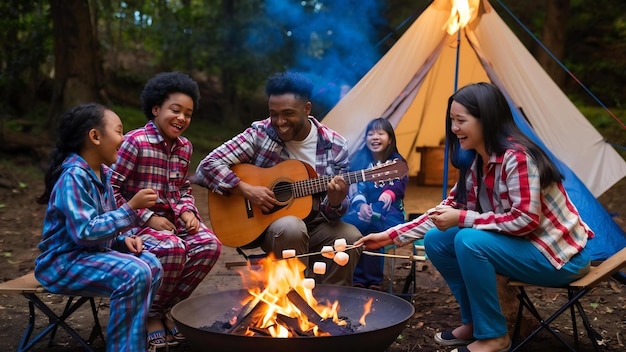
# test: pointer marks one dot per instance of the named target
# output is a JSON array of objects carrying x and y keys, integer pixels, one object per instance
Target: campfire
[
  {"x": 281, "y": 304},
  {"x": 281, "y": 310}
]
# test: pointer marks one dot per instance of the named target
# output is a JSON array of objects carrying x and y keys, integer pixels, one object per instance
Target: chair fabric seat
[{"x": 28, "y": 286}]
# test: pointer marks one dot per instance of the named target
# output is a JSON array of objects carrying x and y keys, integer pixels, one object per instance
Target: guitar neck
[{"x": 308, "y": 187}]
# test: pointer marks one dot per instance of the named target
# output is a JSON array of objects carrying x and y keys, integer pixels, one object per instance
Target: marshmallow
[
  {"x": 340, "y": 244},
  {"x": 341, "y": 258},
  {"x": 289, "y": 253},
  {"x": 308, "y": 283},
  {"x": 328, "y": 252},
  {"x": 319, "y": 268}
]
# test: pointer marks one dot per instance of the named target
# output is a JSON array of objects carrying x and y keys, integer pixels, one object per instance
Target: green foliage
[
  {"x": 131, "y": 117},
  {"x": 25, "y": 34}
]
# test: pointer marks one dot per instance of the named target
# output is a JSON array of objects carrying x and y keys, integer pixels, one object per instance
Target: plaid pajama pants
[
  {"x": 186, "y": 260},
  {"x": 129, "y": 280}
]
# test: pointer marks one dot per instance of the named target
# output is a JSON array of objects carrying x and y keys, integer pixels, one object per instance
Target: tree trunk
[
  {"x": 231, "y": 104},
  {"x": 78, "y": 70},
  {"x": 553, "y": 37}
]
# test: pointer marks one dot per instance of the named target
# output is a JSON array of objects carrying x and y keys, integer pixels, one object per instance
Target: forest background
[{"x": 57, "y": 53}]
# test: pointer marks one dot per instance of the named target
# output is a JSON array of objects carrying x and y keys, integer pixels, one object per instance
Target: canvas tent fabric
[{"x": 411, "y": 84}]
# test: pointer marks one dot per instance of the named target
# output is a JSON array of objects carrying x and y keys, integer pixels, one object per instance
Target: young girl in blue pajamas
[
  {"x": 85, "y": 247},
  {"x": 375, "y": 208}
]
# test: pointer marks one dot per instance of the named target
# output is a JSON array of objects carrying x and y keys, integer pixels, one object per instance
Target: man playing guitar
[{"x": 289, "y": 133}]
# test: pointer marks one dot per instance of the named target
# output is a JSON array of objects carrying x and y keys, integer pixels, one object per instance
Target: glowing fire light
[
  {"x": 271, "y": 284},
  {"x": 460, "y": 15}
]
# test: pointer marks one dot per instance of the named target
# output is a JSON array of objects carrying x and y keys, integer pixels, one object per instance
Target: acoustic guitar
[{"x": 237, "y": 222}]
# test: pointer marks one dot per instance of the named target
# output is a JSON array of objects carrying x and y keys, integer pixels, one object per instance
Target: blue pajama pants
[
  {"x": 468, "y": 259},
  {"x": 129, "y": 280}
]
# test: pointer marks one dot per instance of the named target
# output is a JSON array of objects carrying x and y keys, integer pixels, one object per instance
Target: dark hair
[
  {"x": 364, "y": 156},
  {"x": 384, "y": 124},
  {"x": 289, "y": 82},
  {"x": 159, "y": 87},
  {"x": 74, "y": 125},
  {"x": 486, "y": 102}
]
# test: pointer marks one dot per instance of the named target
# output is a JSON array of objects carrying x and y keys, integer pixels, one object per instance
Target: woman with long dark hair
[{"x": 508, "y": 214}]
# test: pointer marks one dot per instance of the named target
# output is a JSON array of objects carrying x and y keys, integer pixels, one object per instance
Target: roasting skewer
[
  {"x": 318, "y": 253},
  {"x": 377, "y": 254}
]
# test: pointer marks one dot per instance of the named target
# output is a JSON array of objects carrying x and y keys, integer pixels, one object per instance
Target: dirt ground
[{"x": 435, "y": 308}]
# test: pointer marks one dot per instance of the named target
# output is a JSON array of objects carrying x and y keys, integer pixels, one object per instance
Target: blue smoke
[{"x": 333, "y": 42}]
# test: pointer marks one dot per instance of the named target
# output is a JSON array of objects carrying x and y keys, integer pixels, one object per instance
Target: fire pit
[{"x": 196, "y": 316}]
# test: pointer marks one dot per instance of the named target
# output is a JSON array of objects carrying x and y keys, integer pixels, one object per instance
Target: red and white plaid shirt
[{"x": 519, "y": 207}]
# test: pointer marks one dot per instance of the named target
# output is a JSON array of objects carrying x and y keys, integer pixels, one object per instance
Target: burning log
[
  {"x": 246, "y": 317},
  {"x": 327, "y": 325},
  {"x": 293, "y": 326}
]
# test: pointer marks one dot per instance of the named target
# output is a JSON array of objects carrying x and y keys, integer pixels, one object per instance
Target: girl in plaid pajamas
[
  {"x": 156, "y": 156},
  {"x": 83, "y": 248}
]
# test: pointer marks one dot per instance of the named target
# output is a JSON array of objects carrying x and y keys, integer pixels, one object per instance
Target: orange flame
[
  {"x": 460, "y": 15},
  {"x": 270, "y": 282}
]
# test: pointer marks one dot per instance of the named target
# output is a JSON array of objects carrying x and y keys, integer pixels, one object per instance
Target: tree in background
[
  {"x": 78, "y": 71},
  {"x": 55, "y": 53}
]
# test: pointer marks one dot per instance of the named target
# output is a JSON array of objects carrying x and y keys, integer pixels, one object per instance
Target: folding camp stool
[
  {"x": 575, "y": 291},
  {"x": 29, "y": 287}
]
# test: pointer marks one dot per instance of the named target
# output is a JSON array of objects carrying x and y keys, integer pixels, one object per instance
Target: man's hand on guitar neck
[
  {"x": 260, "y": 196},
  {"x": 337, "y": 191}
]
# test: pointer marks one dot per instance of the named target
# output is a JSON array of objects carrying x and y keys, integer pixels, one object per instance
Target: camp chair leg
[
  {"x": 594, "y": 336},
  {"x": 96, "y": 330},
  {"x": 29, "y": 327},
  {"x": 410, "y": 281},
  {"x": 545, "y": 324},
  {"x": 55, "y": 321},
  {"x": 53, "y": 332}
]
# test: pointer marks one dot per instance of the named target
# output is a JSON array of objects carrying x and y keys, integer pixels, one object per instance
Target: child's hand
[
  {"x": 134, "y": 244},
  {"x": 161, "y": 223},
  {"x": 192, "y": 224},
  {"x": 365, "y": 212},
  {"x": 145, "y": 198},
  {"x": 386, "y": 198}
]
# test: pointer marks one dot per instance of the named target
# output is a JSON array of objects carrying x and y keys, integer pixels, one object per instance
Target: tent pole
[{"x": 444, "y": 189}]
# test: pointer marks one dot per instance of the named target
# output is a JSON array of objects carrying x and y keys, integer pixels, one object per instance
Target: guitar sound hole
[{"x": 282, "y": 191}]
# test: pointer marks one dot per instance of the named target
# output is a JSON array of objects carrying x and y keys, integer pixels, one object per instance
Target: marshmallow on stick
[
  {"x": 328, "y": 252},
  {"x": 289, "y": 253},
  {"x": 308, "y": 283},
  {"x": 341, "y": 258},
  {"x": 340, "y": 244},
  {"x": 319, "y": 268}
]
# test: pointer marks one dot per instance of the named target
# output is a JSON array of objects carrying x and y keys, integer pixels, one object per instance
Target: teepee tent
[{"x": 411, "y": 84}]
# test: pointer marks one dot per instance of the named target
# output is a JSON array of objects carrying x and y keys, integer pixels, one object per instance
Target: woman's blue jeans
[{"x": 468, "y": 259}]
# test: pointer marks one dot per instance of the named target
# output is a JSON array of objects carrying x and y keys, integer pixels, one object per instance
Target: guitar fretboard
[{"x": 320, "y": 184}]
